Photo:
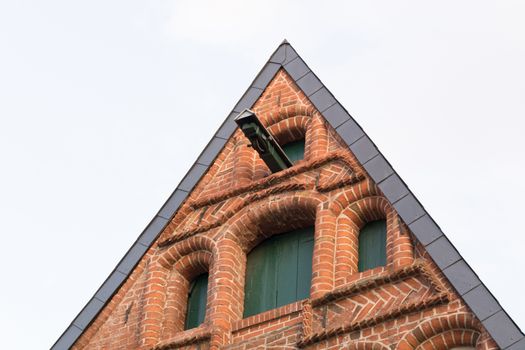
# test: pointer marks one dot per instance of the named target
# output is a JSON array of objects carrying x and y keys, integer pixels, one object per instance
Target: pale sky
[{"x": 104, "y": 106}]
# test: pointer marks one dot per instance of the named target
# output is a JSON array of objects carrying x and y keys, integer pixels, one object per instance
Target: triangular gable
[{"x": 464, "y": 280}]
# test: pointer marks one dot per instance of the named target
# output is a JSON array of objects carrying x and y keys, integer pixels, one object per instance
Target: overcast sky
[{"x": 104, "y": 105}]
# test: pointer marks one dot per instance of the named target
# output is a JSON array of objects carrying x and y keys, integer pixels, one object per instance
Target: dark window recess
[
  {"x": 372, "y": 245},
  {"x": 279, "y": 271},
  {"x": 294, "y": 150},
  {"x": 197, "y": 295}
]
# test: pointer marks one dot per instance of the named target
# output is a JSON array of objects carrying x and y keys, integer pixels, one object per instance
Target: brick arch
[
  {"x": 165, "y": 303},
  {"x": 194, "y": 264},
  {"x": 288, "y": 124},
  {"x": 297, "y": 121},
  {"x": 170, "y": 256},
  {"x": 365, "y": 210},
  {"x": 443, "y": 332},
  {"x": 281, "y": 213},
  {"x": 290, "y": 129},
  {"x": 277, "y": 114},
  {"x": 350, "y": 220},
  {"x": 272, "y": 215},
  {"x": 184, "y": 271},
  {"x": 366, "y": 345},
  {"x": 451, "y": 339},
  {"x": 365, "y": 188}
]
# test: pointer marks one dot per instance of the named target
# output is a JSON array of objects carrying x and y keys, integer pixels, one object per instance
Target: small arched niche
[{"x": 186, "y": 296}]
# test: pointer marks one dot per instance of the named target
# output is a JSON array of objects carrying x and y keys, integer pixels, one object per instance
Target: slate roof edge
[{"x": 497, "y": 322}]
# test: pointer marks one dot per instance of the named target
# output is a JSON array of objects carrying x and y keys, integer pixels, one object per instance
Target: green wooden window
[
  {"x": 197, "y": 302},
  {"x": 294, "y": 150},
  {"x": 279, "y": 271},
  {"x": 372, "y": 245}
]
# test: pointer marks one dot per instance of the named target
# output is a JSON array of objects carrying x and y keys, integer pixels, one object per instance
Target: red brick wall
[{"x": 406, "y": 304}]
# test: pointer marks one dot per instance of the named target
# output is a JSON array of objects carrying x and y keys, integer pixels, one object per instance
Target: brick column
[
  {"x": 398, "y": 243},
  {"x": 323, "y": 255},
  {"x": 346, "y": 254},
  {"x": 176, "y": 304},
  {"x": 243, "y": 162},
  {"x": 316, "y": 139},
  {"x": 153, "y": 309},
  {"x": 227, "y": 290}
]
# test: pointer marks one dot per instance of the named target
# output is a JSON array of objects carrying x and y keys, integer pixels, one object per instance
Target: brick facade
[{"x": 407, "y": 304}]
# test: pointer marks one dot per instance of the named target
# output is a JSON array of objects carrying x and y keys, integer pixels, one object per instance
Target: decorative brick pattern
[{"x": 406, "y": 305}]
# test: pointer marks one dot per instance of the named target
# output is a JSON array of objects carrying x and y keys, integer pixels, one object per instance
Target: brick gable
[{"x": 406, "y": 304}]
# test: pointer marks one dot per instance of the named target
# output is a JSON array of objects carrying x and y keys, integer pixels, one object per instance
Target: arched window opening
[
  {"x": 294, "y": 150},
  {"x": 372, "y": 245},
  {"x": 279, "y": 271},
  {"x": 197, "y": 296}
]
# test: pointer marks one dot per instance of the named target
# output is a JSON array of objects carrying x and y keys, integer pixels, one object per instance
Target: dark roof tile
[
  {"x": 322, "y": 99},
  {"x": 155, "y": 226},
  {"x": 462, "y": 277},
  {"x": 409, "y": 209},
  {"x": 349, "y": 131},
  {"x": 364, "y": 149},
  {"x": 393, "y": 188},
  {"x": 228, "y": 126},
  {"x": 68, "y": 338},
  {"x": 481, "y": 302},
  {"x": 88, "y": 313},
  {"x": 172, "y": 204},
  {"x": 248, "y": 99},
  {"x": 131, "y": 258},
  {"x": 296, "y": 68},
  {"x": 442, "y": 252},
  {"x": 211, "y": 151},
  {"x": 378, "y": 168},
  {"x": 284, "y": 54},
  {"x": 425, "y": 230},
  {"x": 503, "y": 329},
  {"x": 309, "y": 84},
  {"x": 337, "y": 115},
  {"x": 266, "y": 75},
  {"x": 110, "y": 285},
  {"x": 519, "y": 345},
  {"x": 192, "y": 177}
]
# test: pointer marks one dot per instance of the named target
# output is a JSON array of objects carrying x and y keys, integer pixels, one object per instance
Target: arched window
[
  {"x": 294, "y": 150},
  {"x": 197, "y": 296},
  {"x": 372, "y": 245},
  {"x": 279, "y": 271}
]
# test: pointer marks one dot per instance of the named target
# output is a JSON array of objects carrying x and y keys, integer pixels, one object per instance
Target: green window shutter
[
  {"x": 294, "y": 150},
  {"x": 286, "y": 269},
  {"x": 260, "y": 285},
  {"x": 372, "y": 245},
  {"x": 197, "y": 296},
  {"x": 279, "y": 271},
  {"x": 304, "y": 263}
]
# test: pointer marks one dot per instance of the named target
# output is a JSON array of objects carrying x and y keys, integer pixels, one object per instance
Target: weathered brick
[{"x": 237, "y": 204}]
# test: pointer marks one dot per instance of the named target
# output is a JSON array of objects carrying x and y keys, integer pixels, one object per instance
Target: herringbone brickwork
[{"x": 238, "y": 203}]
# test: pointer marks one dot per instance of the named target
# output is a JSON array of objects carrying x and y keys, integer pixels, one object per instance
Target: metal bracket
[{"x": 262, "y": 141}]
